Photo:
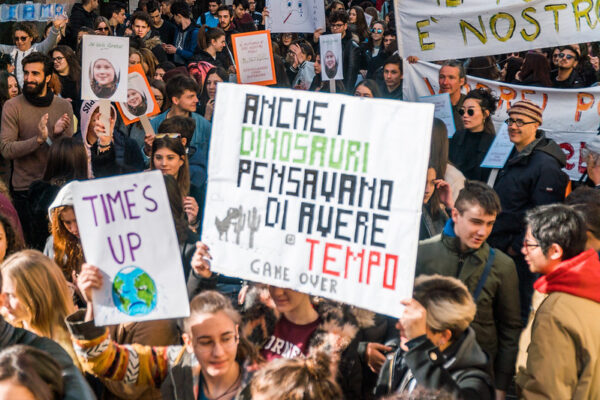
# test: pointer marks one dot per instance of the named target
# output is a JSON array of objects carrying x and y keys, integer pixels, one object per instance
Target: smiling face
[
  {"x": 134, "y": 98},
  {"x": 211, "y": 85},
  {"x": 377, "y": 32},
  {"x": 22, "y": 40},
  {"x": 104, "y": 72},
  {"x": 522, "y": 136},
  {"x": 167, "y": 161},
  {"x": 450, "y": 80},
  {"x": 539, "y": 263},
  {"x": 218, "y": 43},
  {"x": 473, "y": 226},
  {"x": 60, "y": 63},
  {"x": 474, "y": 122},
  {"x": 330, "y": 60}
]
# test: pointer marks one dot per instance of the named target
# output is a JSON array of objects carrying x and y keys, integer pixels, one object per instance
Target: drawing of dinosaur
[{"x": 223, "y": 225}]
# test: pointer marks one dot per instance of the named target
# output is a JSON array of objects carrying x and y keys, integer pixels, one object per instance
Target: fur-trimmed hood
[{"x": 152, "y": 41}]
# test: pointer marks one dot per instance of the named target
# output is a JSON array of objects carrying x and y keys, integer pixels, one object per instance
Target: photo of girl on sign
[
  {"x": 104, "y": 78},
  {"x": 140, "y": 99},
  {"x": 137, "y": 104}
]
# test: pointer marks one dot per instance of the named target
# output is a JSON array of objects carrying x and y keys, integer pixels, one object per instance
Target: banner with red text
[
  {"x": 571, "y": 116},
  {"x": 448, "y": 29},
  {"x": 318, "y": 192}
]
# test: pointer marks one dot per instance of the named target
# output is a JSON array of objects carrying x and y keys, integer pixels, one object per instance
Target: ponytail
[{"x": 206, "y": 34}]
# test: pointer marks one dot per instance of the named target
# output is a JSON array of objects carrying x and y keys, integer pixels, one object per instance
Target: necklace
[{"x": 230, "y": 389}]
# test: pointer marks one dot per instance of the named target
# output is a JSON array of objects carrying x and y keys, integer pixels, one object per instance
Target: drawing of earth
[{"x": 134, "y": 291}]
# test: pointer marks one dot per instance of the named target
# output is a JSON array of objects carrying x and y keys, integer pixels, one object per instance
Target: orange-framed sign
[
  {"x": 140, "y": 99},
  {"x": 254, "y": 58}
]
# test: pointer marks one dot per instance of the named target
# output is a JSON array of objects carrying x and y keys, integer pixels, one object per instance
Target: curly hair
[{"x": 68, "y": 253}]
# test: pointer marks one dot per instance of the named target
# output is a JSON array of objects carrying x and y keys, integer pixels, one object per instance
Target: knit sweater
[{"x": 18, "y": 137}]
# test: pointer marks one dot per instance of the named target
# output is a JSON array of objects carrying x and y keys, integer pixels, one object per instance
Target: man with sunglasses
[
  {"x": 531, "y": 177},
  {"x": 559, "y": 349},
  {"x": 567, "y": 76}
]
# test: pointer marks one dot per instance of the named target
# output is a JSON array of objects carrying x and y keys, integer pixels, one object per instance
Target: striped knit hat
[{"x": 528, "y": 108}]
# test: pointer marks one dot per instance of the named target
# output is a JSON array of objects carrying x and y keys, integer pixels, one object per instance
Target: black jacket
[
  {"x": 461, "y": 369},
  {"x": 529, "y": 179},
  {"x": 79, "y": 18},
  {"x": 574, "y": 81},
  {"x": 351, "y": 56},
  {"x": 76, "y": 388},
  {"x": 124, "y": 156},
  {"x": 222, "y": 59},
  {"x": 467, "y": 150}
]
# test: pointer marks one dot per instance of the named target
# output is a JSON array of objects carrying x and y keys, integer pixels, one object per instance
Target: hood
[
  {"x": 63, "y": 198},
  {"x": 579, "y": 276},
  {"x": 466, "y": 353},
  {"x": 548, "y": 146},
  {"x": 152, "y": 40},
  {"x": 87, "y": 109}
]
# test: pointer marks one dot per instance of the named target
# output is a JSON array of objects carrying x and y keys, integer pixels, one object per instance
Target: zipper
[{"x": 461, "y": 262}]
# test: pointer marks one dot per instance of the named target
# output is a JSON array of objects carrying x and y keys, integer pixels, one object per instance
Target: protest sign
[
  {"x": 570, "y": 115},
  {"x": 254, "y": 58},
  {"x": 140, "y": 99},
  {"x": 295, "y": 16},
  {"x": 317, "y": 192},
  {"x": 450, "y": 29},
  {"x": 127, "y": 231},
  {"x": 331, "y": 57},
  {"x": 443, "y": 110},
  {"x": 499, "y": 151},
  {"x": 104, "y": 62},
  {"x": 31, "y": 11}
]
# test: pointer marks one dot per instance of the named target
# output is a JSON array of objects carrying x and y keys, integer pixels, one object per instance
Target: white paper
[
  {"x": 295, "y": 16},
  {"x": 254, "y": 58},
  {"x": 443, "y": 110},
  {"x": 104, "y": 68},
  {"x": 499, "y": 151},
  {"x": 127, "y": 231},
  {"x": 332, "y": 67},
  {"x": 273, "y": 214}
]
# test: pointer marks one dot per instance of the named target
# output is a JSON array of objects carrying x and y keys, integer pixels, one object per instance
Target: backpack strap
[{"x": 485, "y": 274}]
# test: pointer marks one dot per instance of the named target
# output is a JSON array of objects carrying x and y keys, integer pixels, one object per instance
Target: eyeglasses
[
  {"x": 373, "y": 30},
  {"x": 470, "y": 112},
  {"x": 567, "y": 56},
  {"x": 158, "y": 98},
  {"x": 21, "y": 38},
  {"x": 338, "y": 26},
  {"x": 228, "y": 343},
  {"x": 518, "y": 122},
  {"x": 58, "y": 59},
  {"x": 169, "y": 135},
  {"x": 529, "y": 245}
]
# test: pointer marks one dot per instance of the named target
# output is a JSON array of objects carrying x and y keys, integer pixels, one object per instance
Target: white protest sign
[
  {"x": 104, "y": 68},
  {"x": 254, "y": 58},
  {"x": 332, "y": 67},
  {"x": 292, "y": 16},
  {"x": 499, "y": 151},
  {"x": 318, "y": 192},
  {"x": 571, "y": 116},
  {"x": 127, "y": 231},
  {"x": 443, "y": 110},
  {"x": 31, "y": 11},
  {"x": 449, "y": 29}
]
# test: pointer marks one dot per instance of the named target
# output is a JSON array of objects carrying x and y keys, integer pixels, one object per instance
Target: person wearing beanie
[
  {"x": 567, "y": 76},
  {"x": 591, "y": 156},
  {"x": 531, "y": 177}
]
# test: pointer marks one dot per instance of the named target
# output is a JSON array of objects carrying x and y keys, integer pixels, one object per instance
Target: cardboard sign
[
  {"x": 127, "y": 231},
  {"x": 570, "y": 115},
  {"x": 105, "y": 60},
  {"x": 453, "y": 29},
  {"x": 499, "y": 151},
  {"x": 443, "y": 110},
  {"x": 295, "y": 16},
  {"x": 317, "y": 192},
  {"x": 31, "y": 11},
  {"x": 254, "y": 58},
  {"x": 332, "y": 67},
  {"x": 140, "y": 98}
]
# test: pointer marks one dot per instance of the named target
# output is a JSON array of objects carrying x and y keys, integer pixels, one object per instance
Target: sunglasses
[
  {"x": 169, "y": 135},
  {"x": 102, "y": 29},
  {"x": 21, "y": 38},
  {"x": 470, "y": 112},
  {"x": 373, "y": 30},
  {"x": 567, "y": 56},
  {"x": 518, "y": 122}
]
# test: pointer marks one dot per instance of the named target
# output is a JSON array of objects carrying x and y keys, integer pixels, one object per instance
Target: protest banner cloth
[
  {"x": 317, "y": 192},
  {"x": 295, "y": 16},
  {"x": 332, "y": 67},
  {"x": 127, "y": 231},
  {"x": 31, "y": 11},
  {"x": 140, "y": 98},
  {"x": 443, "y": 110},
  {"x": 570, "y": 115},
  {"x": 450, "y": 29},
  {"x": 253, "y": 55}
]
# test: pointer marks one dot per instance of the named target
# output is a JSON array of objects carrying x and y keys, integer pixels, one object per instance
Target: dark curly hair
[
  {"x": 486, "y": 99},
  {"x": 14, "y": 242}
]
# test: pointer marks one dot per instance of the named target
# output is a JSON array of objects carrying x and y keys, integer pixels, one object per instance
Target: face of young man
[
  {"x": 339, "y": 27},
  {"x": 567, "y": 59},
  {"x": 239, "y": 11},
  {"x": 388, "y": 40},
  {"x": 224, "y": 19},
  {"x": 119, "y": 16},
  {"x": 156, "y": 18},
  {"x": 35, "y": 80},
  {"x": 140, "y": 28},
  {"x": 212, "y": 7},
  {"x": 187, "y": 101},
  {"x": 539, "y": 263},
  {"x": 473, "y": 226},
  {"x": 252, "y": 5},
  {"x": 449, "y": 80},
  {"x": 392, "y": 76}
]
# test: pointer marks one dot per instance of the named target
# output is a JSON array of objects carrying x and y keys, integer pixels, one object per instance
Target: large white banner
[
  {"x": 571, "y": 116},
  {"x": 445, "y": 29},
  {"x": 318, "y": 192},
  {"x": 127, "y": 231}
]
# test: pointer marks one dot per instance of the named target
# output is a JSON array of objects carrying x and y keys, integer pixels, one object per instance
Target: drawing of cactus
[
  {"x": 238, "y": 224},
  {"x": 253, "y": 224}
]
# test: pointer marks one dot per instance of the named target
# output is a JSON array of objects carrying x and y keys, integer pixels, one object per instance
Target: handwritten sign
[
  {"x": 254, "y": 58},
  {"x": 140, "y": 99},
  {"x": 127, "y": 231},
  {"x": 104, "y": 66},
  {"x": 499, "y": 151},
  {"x": 332, "y": 67},
  {"x": 318, "y": 192},
  {"x": 449, "y": 29},
  {"x": 443, "y": 110},
  {"x": 295, "y": 16}
]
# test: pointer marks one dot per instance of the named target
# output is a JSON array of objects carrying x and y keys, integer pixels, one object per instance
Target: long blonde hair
[{"x": 42, "y": 289}]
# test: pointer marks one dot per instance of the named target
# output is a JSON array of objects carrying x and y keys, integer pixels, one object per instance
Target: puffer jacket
[
  {"x": 336, "y": 335},
  {"x": 530, "y": 178},
  {"x": 497, "y": 322},
  {"x": 461, "y": 369}
]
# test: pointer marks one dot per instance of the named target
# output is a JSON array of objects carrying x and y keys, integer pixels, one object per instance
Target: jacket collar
[{"x": 452, "y": 242}]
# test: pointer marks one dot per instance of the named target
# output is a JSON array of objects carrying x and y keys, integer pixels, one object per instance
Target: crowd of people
[{"x": 507, "y": 292}]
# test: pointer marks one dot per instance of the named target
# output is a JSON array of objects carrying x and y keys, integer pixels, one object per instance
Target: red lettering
[
  {"x": 570, "y": 152},
  {"x": 360, "y": 255},
  {"x": 583, "y": 105},
  {"x": 393, "y": 258},
  {"x": 582, "y": 169},
  {"x": 374, "y": 259},
  {"x": 327, "y": 258},
  {"x": 312, "y": 248}
]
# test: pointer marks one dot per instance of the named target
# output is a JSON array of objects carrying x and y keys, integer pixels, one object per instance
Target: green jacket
[{"x": 497, "y": 323}]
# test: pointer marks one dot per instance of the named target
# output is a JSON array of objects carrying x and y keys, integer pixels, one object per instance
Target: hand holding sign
[{"x": 201, "y": 260}]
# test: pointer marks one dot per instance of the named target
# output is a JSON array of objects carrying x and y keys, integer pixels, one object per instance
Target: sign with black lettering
[{"x": 317, "y": 192}]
